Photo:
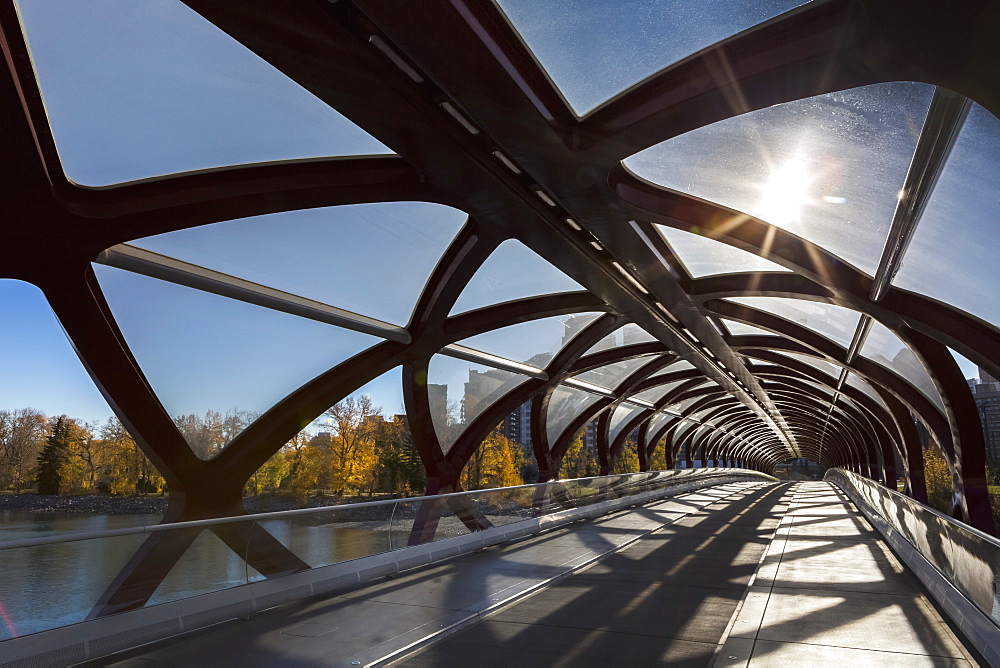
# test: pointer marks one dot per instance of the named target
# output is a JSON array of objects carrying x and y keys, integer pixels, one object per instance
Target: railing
[
  {"x": 966, "y": 558},
  {"x": 53, "y": 581}
]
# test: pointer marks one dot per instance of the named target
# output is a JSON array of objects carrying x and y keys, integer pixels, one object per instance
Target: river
[{"x": 54, "y": 585}]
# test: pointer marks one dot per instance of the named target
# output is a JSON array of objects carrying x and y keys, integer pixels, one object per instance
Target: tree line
[{"x": 350, "y": 451}]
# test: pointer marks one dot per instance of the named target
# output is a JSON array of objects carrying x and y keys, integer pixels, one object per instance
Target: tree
[
  {"x": 628, "y": 458},
  {"x": 354, "y": 423},
  {"x": 496, "y": 463},
  {"x": 937, "y": 476},
  {"x": 579, "y": 460},
  {"x": 53, "y": 456},
  {"x": 22, "y": 436}
]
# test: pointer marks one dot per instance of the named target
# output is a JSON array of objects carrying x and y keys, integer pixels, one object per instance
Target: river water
[{"x": 54, "y": 585}]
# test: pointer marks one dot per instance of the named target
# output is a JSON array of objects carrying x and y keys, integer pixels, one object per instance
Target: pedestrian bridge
[
  {"x": 705, "y": 238},
  {"x": 703, "y": 567}
]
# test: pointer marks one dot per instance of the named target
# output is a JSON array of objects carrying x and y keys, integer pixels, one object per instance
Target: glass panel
[
  {"x": 217, "y": 363},
  {"x": 830, "y": 369},
  {"x": 460, "y": 391},
  {"x": 702, "y": 256},
  {"x": 139, "y": 89},
  {"x": 859, "y": 383},
  {"x": 595, "y": 50},
  {"x": 534, "y": 342},
  {"x": 681, "y": 406},
  {"x": 834, "y": 322},
  {"x": 564, "y": 405},
  {"x": 623, "y": 336},
  {"x": 654, "y": 394},
  {"x": 39, "y": 367},
  {"x": 887, "y": 349},
  {"x": 207, "y": 565},
  {"x": 372, "y": 259},
  {"x": 623, "y": 413},
  {"x": 970, "y": 370},
  {"x": 658, "y": 421},
  {"x": 740, "y": 329},
  {"x": 610, "y": 375},
  {"x": 826, "y": 168},
  {"x": 952, "y": 256},
  {"x": 513, "y": 271}
]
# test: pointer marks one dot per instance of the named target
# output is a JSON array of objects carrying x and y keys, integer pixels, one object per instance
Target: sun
[{"x": 785, "y": 193}]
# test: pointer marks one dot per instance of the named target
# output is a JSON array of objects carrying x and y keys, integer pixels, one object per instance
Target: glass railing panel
[{"x": 49, "y": 586}]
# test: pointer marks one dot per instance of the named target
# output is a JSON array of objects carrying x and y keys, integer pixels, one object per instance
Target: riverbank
[{"x": 141, "y": 505}]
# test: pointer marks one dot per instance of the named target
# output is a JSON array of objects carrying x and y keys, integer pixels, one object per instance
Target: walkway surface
[{"x": 787, "y": 574}]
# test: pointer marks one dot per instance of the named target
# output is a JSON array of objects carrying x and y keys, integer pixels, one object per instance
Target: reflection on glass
[
  {"x": 594, "y": 50},
  {"x": 702, "y": 256},
  {"x": 654, "y": 394},
  {"x": 887, "y": 349},
  {"x": 832, "y": 370},
  {"x": 857, "y": 382},
  {"x": 658, "y": 421},
  {"x": 372, "y": 259},
  {"x": 564, "y": 405},
  {"x": 737, "y": 328},
  {"x": 834, "y": 322},
  {"x": 826, "y": 168},
  {"x": 139, "y": 89},
  {"x": 208, "y": 565},
  {"x": 513, "y": 271},
  {"x": 610, "y": 375},
  {"x": 534, "y": 342},
  {"x": 620, "y": 417},
  {"x": 217, "y": 363},
  {"x": 627, "y": 335},
  {"x": 952, "y": 256},
  {"x": 459, "y": 391},
  {"x": 48, "y": 586}
]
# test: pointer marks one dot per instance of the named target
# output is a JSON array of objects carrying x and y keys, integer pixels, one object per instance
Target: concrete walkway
[
  {"x": 831, "y": 593},
  {"x": 740, "y": 574}
]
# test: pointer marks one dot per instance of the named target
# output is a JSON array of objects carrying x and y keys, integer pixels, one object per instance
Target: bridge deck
[{"x": 786, "y": 574}]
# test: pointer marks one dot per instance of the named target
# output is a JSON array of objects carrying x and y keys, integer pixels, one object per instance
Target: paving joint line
[{"x": 447, "y": 630}]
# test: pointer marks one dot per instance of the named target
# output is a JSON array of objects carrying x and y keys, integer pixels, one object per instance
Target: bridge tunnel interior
[{"x": 773, "y": 239}]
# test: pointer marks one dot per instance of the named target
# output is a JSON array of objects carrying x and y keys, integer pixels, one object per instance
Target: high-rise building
[{"x": 987, "y": 396}]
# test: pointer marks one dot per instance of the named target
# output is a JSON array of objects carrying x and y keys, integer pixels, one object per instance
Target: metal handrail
[{"x": 153, "y": 528}]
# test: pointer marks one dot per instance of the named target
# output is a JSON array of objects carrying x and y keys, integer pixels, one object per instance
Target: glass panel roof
[
  {"x": 564, "y": 405},
  {"x": 702, "y": 256},
  {"x": 139, "y": 89},
  {"x": 594, "y": 50},
  {"x": 953, "y": 254},
  {"x": 654, "y": 394},
  {"x": 658, "y": 421},
  {"x": 826, "y": 168},
  {"x": 534, "y": 342},
  {"x": 679, "y": 407},
  {"x": 39, "y": 368},
  {"x": 855, "y": 381},
  {"x": 513, "y": 271},
  {"x": 204, "y": 353},
  {"x": 830, "y": 369},
  {"x": 459, "y": 391},
  {"x": 737, "y": 328},
  {"x": 341, "y": 256},
  {"x": 887, "y": 349},
  {"x": 623, "y": 336},
  {"x": 623, "y": 413},
  {"x": 610, "y": 375},
  {"x": 834, "y": 322}
]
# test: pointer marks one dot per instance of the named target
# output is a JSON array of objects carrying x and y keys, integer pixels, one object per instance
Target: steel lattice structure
[{"x": 476, "y": 124}]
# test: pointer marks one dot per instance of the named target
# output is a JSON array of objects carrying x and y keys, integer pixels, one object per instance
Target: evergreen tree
[{"x": 52, "y": 457}]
